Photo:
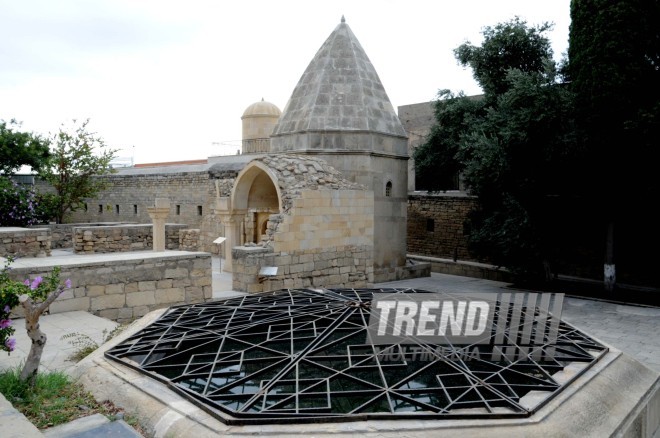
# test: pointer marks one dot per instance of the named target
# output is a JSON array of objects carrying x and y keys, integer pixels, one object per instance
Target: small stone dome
[{"x": 260, "y": 109}]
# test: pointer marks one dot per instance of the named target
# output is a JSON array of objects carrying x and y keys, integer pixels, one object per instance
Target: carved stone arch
[{"x": 256, "y": 186}]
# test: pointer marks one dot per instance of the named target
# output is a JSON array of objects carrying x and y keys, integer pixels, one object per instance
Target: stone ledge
[{"x": 15, "y": 424}]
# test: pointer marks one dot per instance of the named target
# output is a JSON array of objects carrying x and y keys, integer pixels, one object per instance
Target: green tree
[
  {"x": 510, "y": 146},
  {"x": 78, "y": 158},
  {"x": 614, "y": 71},
  {"x": 18, "y": 148}
]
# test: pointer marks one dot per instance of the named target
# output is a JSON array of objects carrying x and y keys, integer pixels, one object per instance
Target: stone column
[
  {"x": 159, "y": 214},
  {"x": 232, "y": 224}
]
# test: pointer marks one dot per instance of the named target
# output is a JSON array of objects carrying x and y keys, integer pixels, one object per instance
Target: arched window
[{"x": 388, "y": 189}]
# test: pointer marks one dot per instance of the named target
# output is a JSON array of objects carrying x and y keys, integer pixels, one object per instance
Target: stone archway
[{"x": 255, "y": 196}]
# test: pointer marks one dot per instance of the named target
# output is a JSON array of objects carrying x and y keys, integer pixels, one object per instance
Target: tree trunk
[
  {"x": 32, "y": 313},
  {"x": 609, "y": 269},
  {"x": 31, "y": 366}
]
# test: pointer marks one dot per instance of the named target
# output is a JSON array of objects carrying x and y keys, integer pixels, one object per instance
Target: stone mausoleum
[{"x": 316, "y": 198}]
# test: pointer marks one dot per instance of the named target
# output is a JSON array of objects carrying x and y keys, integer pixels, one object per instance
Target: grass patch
[
  {"x": 85, "y": 345},
  {"x": 54, "y": 399}
]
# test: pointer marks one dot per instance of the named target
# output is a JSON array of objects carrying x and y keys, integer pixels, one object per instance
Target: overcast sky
[{"x": 169, "y": 80}]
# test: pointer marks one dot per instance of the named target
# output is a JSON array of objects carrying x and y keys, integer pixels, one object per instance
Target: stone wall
[
  {"x": 435, "y": 225},
  {"x": 62, "y": 234},
  {"x": 25, "y": 242},
  {"x": 192, "y": 197},
  {"x": 127, "y": 197},
  {"x": 122, "y": 290},
  {"x": 122, "y": 238},
  {"x": 189, "y": 240},
  {"x": 341, "y": 266},
  {"x": 324, "y": 239}
]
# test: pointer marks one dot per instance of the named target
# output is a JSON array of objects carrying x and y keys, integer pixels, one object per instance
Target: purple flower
[
  {"x": 7, "y": 309},
  {"x": 67, "y": 283},
  {"x": 4, "y": 323},
  {"x": 36, "y": 282},
  {"x": 10, "y": 344},
  {"x": 26, "y": 282}
]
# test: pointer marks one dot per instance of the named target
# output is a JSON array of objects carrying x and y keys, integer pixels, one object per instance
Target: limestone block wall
[
  {"x": 25, "y": 242},
  {"x": 325, "y": 239},
  {"x": 122, "y": 238},
  {"x": 62, "y": 234},
  {"x": 122, "y": 290},
  {"x": 435, "y": 225},
  {"x": 189, "y": 240},
  {"x": 127, "y": 197},
  {"x": 334, "y": 266},
  {"x": 325, "y": 219}
]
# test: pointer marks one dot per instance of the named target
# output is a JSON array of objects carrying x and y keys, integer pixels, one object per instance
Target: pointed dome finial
[{"x": 343, "y": 20}]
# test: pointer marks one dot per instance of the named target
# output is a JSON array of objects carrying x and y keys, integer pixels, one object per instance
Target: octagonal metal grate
[{"x": 301, "y": 355}]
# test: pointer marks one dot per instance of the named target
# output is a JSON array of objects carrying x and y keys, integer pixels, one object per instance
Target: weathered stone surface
[
  {"x": 25, "y": 242},
  {"x": 119, "y": 297}
]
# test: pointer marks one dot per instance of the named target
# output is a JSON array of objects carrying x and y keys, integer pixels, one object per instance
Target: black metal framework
[{"x": 303, "y": 355}]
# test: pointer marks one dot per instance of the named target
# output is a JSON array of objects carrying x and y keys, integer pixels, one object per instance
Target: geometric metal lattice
[{"x": 300, "y": 355}]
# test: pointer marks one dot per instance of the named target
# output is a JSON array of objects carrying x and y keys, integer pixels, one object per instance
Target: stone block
[
  {"x": 202, "y": 281},
  {"x": 136, "y": 299},
  {"x": 125, "y": 314},
  {"x": 117, "y": 288},
  {"x": 146, "y": 285},
  {"x": 70, "y": 305},
  {"x": 108, "y": 302},
  {"x": 194, "y": 294},
  {"x": 95, "y": 290},
  {"x": 173, "y": 295},
  {"x": 176, "y": 273},
  {"x": 164, "y": 284}
]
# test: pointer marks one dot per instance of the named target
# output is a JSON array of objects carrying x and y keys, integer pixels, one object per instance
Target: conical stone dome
[{"x": 339, "y": 91}]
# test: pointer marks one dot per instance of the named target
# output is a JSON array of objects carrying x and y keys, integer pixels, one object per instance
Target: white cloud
[{"x": 172, "y": 78}]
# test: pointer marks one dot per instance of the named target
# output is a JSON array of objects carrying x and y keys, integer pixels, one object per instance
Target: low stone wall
[
  {"x": 189, "y": 240},
  {"x": 342, "y": 266},
  {"x": 62, "y": 234},
  {"x": 122, "y": 238},
  {"x": 464, "y": 268},
  {"x": 435, "y": 225},
  {"x": 24, "y": 242},
  {"x": 126, "y": 289}
]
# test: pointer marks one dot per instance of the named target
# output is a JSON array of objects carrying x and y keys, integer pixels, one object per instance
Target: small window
[
  {"x": 134, "y": 208},
  {"x": 178, "y": 210},
  {"x": 199, "y": 210},
  {"x": 430, "y": 225},
  {"x": 117, "y": 208},
  {"x": 388, "y": 189},
  {"x": 100, "y": 208}
]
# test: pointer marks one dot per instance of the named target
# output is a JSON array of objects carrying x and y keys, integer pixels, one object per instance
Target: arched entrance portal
[{"x": 254, "y": 197}]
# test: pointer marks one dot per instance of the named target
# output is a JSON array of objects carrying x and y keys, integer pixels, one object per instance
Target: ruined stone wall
[
  {"x": 122, "y": 238},
  {"x": 24, "y": 242},
  {"x": 62, "y": 234},
  {"x": 435, "y": 225},
  {"x": 192, "y": 200},
  {"x": 325, "y": 239},
  {"x": 122, "y": 290},
  {"x": 189, "y": 240}
]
